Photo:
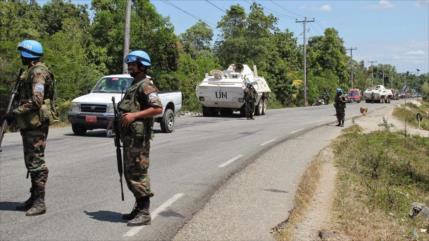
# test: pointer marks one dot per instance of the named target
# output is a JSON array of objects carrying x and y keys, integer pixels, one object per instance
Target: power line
[
  {"x": 272, "y": 11},
  {"x": 318, "y": 28},
  {"x": 321, "y": 27},
  {"x": 216, "y": 6},
  {"x": 285, "y": 9},
  {"x": 186, "y": 12}
]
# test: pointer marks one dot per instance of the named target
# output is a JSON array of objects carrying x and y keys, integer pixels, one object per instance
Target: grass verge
[
  {"x": 306, "y": 189},
  {"x": 379, "y": 175},
  {"x": 407, "y": 112}
]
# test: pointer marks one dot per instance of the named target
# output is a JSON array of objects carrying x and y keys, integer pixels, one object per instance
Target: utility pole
[
  {"x": 127, "y": 34},
  {"x": 351, "y": 65},
  {"x": 304, "y": 22},
  {"x": 372, "y": 71}
]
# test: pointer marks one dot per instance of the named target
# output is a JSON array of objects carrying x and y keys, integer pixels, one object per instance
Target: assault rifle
[
  {"x": 116, "y": 123},
  {"x": 12, "y": 100}
]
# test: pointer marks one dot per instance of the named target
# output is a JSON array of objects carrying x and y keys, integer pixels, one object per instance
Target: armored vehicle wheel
[
  {"x": 79, "y": 130},
  {"x": 259, "y": 107},
  {"x": 226, "y": 112},
  {"x": 207, "y": 111},
  {"x": 167, "y": 122},
  {"x": 243, "y": 111}
]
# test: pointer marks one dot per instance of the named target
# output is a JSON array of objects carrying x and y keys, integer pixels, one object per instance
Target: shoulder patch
[
  {"x": 149, "y": 88},
  {"x": 39, "y": 88}
]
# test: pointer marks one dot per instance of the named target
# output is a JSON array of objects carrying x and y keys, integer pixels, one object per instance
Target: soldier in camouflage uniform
[
  {"x": 340, "y": 107},
  {"x": 138, "y": 107},
  {"x": 250, "y": 99},
  {"x": 33, "y": 114}
]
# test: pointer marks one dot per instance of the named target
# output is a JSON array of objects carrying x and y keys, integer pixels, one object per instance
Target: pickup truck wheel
[
  {"x": 78, "y": 130},
  {"x": 167, "y": 122}
]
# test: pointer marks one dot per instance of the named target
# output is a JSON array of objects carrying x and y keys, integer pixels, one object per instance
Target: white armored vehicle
[
  {"x": 223, "y": 91},
  {"x": 378, "y": 93}
]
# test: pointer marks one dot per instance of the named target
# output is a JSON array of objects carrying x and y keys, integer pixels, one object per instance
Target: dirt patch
[{"x": 321, "y": 203}]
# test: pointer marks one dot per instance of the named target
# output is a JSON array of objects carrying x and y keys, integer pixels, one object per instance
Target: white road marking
[
  {"x": 134, "y": 230},
  {"x": 295, "y": 131},
  {"x": 267, "y": 142},
  {"x": 230, "y": 161}
]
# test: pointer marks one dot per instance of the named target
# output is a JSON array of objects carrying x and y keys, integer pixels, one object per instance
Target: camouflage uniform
[
  {"x": 33, "y": 115},
  {"x": 136, "y": 138},
  {"x": 250, "y": 98},
  {"x": 340, "y": 108}
]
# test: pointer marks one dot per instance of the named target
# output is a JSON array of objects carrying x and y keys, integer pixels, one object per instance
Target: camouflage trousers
[
  {"x": 34, "y": 143},
  {"x": 136, "y": 165},
  {"x": 340, "y": 113},
  {"x": 250, "y": 108}
]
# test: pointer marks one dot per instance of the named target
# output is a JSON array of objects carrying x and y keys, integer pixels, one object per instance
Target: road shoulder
[{"x": 259, "y": 197}]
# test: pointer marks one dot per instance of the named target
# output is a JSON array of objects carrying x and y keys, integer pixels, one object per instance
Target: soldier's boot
[
  {"x": 342, "y": 123},
  {"x": 38, "y": 207},
  {"x": 29, "y": 202},
  {"x": 143, "y": 215},
  {"x": 132, "y": 214}
]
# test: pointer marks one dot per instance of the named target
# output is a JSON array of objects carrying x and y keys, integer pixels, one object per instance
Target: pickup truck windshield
[{"x": 112, "y": 85}]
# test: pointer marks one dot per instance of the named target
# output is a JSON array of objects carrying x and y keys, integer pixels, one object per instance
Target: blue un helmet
[
  {"x": 30, "y": 49},
  {"x": 339, "y": 90},
  {"x": 138, "y": 56}
]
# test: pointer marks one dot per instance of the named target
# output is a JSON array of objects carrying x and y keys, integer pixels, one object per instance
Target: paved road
[{"x": 187, "y": 166}]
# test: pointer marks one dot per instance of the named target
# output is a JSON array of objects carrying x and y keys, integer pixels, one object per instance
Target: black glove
[{"x": 9, "y": 118}]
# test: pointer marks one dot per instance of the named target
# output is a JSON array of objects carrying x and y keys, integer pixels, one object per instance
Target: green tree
[
  {"x": 149, "y": 31},
  {"x": 327, "y": 52},
  {"x": 232, "y": 46},
  {"x": 197, "y": 39}
]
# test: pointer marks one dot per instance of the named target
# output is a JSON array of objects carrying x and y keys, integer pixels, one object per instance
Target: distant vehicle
[
  {"x": 395, "y": 94},
  {"x": 323, "y": 99},
  {"x": 223, "y": 91},
  {"x": 354, "y": 95},
  {"x": 95, "y": 110},
  {"x": 378, "y": 94}
]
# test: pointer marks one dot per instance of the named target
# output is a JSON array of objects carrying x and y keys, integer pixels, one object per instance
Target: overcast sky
[{"x": 386, "y": 31}]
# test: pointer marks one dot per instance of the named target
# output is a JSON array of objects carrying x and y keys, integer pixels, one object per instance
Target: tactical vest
[
  {"x": 47, "y": 112},
  {"x": 132, "y": 103}
]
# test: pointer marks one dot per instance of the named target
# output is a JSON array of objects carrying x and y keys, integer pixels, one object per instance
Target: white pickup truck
[{"x": 95, "y": 110}]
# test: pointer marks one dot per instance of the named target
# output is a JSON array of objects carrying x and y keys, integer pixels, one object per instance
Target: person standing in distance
[
  {"x": 138, "y": 107},
  {"x": 340, "y": 107},
  {"x": 34, "y": 113},
  {"x": 250, "y": 98}
]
